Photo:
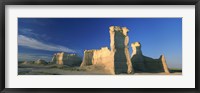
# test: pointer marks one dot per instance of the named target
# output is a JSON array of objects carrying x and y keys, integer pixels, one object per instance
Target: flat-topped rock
[
  {"x": 99, "y": 59},
  {"x": 68, "y": 59}
]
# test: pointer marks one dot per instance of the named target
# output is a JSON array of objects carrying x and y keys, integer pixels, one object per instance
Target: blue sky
[{"x": 42, "y": 37}]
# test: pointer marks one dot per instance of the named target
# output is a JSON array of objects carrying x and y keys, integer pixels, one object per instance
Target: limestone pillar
[
  {"x": 88, "y": 58},
  {"x": 112, "y": 39},
  {"x": 59, "y": 57},
  {"x": 136, "y": 49},
  {"x": 137, "y": 57},
  {"x": 119, "y": 48},
  {"x": 129, "y": 64},
  {"x": 165, "y": 67}
]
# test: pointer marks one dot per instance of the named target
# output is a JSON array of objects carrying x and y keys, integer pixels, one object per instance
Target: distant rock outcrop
[
  {"x": 25, "y": 62},
  {"x": 142, "y": 63},
  {"x": 66, "y": 59},
  {"x": 58, "y": 58},
  {"x": 40, "y": 62}
]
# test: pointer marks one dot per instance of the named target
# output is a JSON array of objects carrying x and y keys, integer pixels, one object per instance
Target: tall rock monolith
[
  {"x": 137, "y": 57},
  {"x": 119, "y": 47},
  {"x": 165, "y": 67}
]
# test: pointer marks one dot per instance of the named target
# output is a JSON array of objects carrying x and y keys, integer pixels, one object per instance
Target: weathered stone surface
[
  {"x": 119, "y": 46},
  {"x": 142, "y": 63},
  {"x": 165, "y": 67},
  {"x": 66, "y": 59},
  {"x": 102, "y": 58},
  {"x": 137, "y": 57},
  {"x": 117, "y": 60},
  {"x": 88, "y": 58},
  {"x": 59, "y": 58}
]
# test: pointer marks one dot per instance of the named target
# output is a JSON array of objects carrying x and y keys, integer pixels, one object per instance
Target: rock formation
[
  {"x": 119, "y": 47},
  {"x": 40, "y": 62},
  {"x": 142, "y": 63},
  {"x": 117, "y": 60},
  {"x": 165, "y": 67},
  {"x": 58, "y": 58},
  {"x": 66, "y": 59},
  {"x": 25, "y": 62},
  {"x": 102, "y": 58}
]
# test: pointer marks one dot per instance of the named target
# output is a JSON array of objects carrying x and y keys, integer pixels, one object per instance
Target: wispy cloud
[
  {"x": 27, "y": 31},
  {"x": 35, "y": 44},
  {"x": 30, "y": 33}
]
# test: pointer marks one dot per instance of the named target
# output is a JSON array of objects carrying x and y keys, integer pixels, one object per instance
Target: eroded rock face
[
  {"x": 119, "y": 47},
  {"x": 88, "y": 58},
  {"x": 137, "y": 57},
  {"x": 165, "y": 67},
  {"x": 102, "y": 58},
  {"x": 142, "y": 63},
  {"x": 59, "y": 58},
  {"x": 117, "y": 60},
  {"x": 66, "y": 59}
]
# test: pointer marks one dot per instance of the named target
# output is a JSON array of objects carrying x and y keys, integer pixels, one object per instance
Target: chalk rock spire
[
  {"x": 136, "y": 49},
  {"x": 119, "y": 47}
]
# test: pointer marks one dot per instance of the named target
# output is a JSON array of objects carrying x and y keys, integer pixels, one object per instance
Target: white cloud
[
  {"x": 27, "y": 31},
  {"x": 35, "y": 44},
  {"x": 30, "y": 33}
]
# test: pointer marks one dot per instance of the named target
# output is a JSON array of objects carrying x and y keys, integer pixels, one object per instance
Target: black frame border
[{"x": 3, "y": 3}]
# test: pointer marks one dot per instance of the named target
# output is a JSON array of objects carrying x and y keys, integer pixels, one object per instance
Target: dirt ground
[{"x": 64, "y": 70}]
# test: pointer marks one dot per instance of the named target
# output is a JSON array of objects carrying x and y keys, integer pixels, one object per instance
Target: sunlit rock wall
[
  {"x": 102, "y": 58},
  {"x": 87, "y": 58}
]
